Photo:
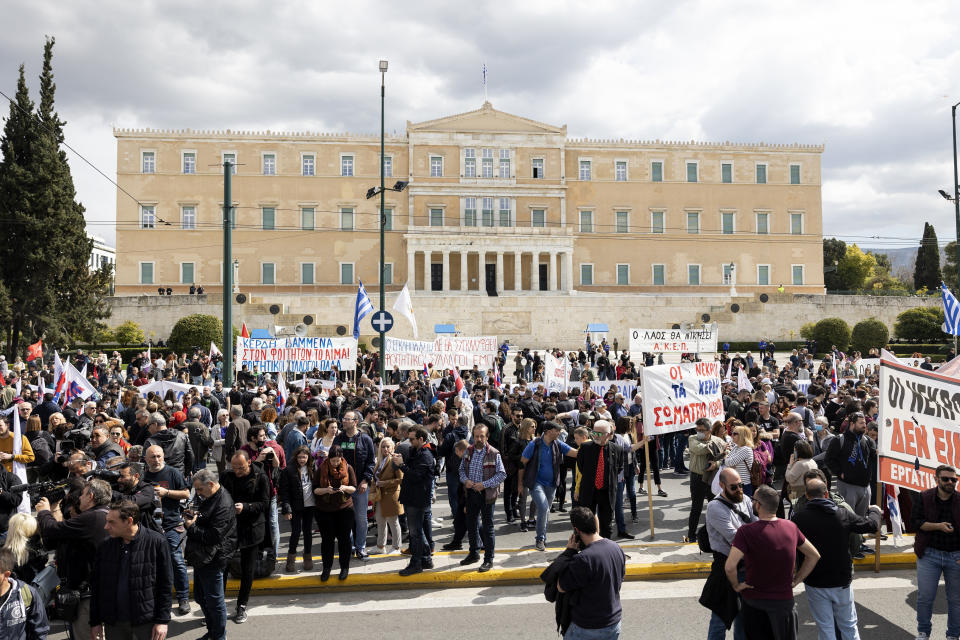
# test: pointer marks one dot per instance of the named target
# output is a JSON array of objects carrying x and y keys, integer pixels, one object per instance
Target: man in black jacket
[
  {"x": 8, "y": 501},
  {"x": 415, "y": 490},
  {"x": 76, "y": 540},
  {"x": 455, "y": 432},
  {"x": 199, "y": 436},
  {"x": 849, "y": 458},
  {"x": 828, "y": 587},
  {"x": 211, "y": 541},
  {"x": 248, "y": 485},
  {"x": 176, "y": 446},
  {"x": 132, "y": 579},
  {"x": 132, "y": 487}
]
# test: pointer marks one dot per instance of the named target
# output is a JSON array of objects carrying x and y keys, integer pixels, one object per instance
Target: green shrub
[
  {"x": 128, "y": 333},
  {"x": 832, "y": 331},
  {"x": 920, "y": 324},
  {"x": 197, "y": 330},
  {"x": 806, "y": 331},
  {"x": 869, "y": 334}
]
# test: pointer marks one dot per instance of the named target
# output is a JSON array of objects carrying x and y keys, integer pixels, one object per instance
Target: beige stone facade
[{"x": 495, "y": 202}]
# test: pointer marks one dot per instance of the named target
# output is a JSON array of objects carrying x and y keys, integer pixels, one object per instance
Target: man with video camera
[{"x": 76, "y": 540}]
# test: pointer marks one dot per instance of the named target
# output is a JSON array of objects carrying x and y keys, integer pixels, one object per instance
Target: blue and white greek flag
[
  {"x": 363, "y": 308},
  {"x": 951, "y": 311}
]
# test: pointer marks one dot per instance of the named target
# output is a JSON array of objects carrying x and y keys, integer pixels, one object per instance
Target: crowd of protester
[{"x": 140, "y": 486}]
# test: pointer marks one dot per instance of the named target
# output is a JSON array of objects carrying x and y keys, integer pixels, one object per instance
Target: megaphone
[
  {"x": 278, "y": 330},
  {"x": 300, "y": 330}
]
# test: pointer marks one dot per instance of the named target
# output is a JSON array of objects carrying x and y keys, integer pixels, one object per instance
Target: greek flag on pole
[
  {"x": 951, "y": 311},
  {"x": 363, "y": 308},
  {"x": 19, "y": 469}
]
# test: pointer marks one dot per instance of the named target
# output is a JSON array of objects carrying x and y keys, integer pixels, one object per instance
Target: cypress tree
[{"x": 926, "y": 273}]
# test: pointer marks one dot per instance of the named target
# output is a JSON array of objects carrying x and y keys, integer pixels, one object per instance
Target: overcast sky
[{"x": 873, "y": 81}]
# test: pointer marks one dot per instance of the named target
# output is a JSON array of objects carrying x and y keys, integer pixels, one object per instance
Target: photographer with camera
[
  {"x": 170, "y": 486},
  {"x": 175, "y": 444},
  {"x": 211, "y": 542},
  {"x": 8, "y": 500},
  {"x": 21, "y": 608},
  {"x": 102, "y": 449},
  {"x": 76, "y": 540},
  {"x": 131, "y": 486}
]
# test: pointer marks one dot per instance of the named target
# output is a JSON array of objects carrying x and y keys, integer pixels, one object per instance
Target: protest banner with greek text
[
  {"x": 919, "y": 425},
  {"x": 298, "y": 355},
  {"x": 673, "y": 341},
  {"x": 443, "y": 353},
  {"x": 556, "y": 373},
  {"x": 675, "y": 396}
]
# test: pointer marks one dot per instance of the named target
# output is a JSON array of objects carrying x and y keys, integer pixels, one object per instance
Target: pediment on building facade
[{"x": 486, "y": 118}]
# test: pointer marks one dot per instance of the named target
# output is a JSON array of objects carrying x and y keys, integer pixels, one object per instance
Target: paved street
[{"x": 885, "y": 608}]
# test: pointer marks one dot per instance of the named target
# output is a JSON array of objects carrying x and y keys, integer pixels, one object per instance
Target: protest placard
[
  {"x": 919, "y": 424},
  {"x": 556, "y": 373},
  {"x": 675, "y": 396},
  {"x": 443, "y": 353},
  {"x": 627, "y": 387},
  {"x": 299, "y": 355},
  {"x": 673, "y": 341}
]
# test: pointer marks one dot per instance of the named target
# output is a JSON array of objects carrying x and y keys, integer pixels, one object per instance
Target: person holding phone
[{"x": 334, "y": 484}]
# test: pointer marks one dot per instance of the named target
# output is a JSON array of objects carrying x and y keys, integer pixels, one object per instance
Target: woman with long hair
[
  {"x": 323, "y": 439},
  {"x": 298, "y": 505},
  {"x": 269, "y": 419},
  {"x": 388, "y": 508},
  {"x": 528, "y": 429},
  {"x": 740, "y": 456},
  {"x": 334, "y": 484},
  {"x": 25, "y": 544}
]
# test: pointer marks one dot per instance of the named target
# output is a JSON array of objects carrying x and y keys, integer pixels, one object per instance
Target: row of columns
[{"x": 566, "y": 270}]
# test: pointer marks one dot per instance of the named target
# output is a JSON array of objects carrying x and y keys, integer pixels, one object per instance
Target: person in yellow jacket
[{"x": 6, "y": 446}]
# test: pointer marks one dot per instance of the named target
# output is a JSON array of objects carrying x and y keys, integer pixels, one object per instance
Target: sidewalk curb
[{"x": 459, "y": 578}]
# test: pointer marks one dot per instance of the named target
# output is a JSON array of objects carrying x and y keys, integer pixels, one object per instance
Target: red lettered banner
[
  {"x": 675, "y": 396},
  {"x": 919, "y": 425}
]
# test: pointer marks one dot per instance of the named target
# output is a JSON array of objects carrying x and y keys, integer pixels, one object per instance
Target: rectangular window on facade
[
  {"x": 308, "y": 166},
  {"x": 346, "y": 273},
  {"x": 346, "y": 166},
  {"x": 659, "y": 274},
  {"x": 190, "y": 162},
  {"x": 487, "y": 212},
  {"x": 761, "y": 174},
  {"x": 623, "y": 274},
  {"x": 585, "y": 170},
  {"x": 763, "y": 274},
  {"x": 656, "y": 222},
  {"x": 148, "y": 216},
  {"x": 586, "y": 274},
  {"x": 505, "y": 212},
  {"x": 797, "y": 270},
  {"x": 691, "y": 172},
  {"x": 470, "y": 163},
  {"x": 656, "y": 171},
  {"x": 188, "y": 217},
  {"x": 346, "y": 219},
  {"x": 586, "y": 222},
  {"x": 623, "y": 222},
  {"x": 308, "y": 218},
  {"x": 268, "y": 272},
  {"x": 794, "y": 174},
  {"x": 763, "y": 223},
  {"x": 269, "y": 164},
  {"x": 148, "y": 162},
  {"x": 620, "y": 171},
  {"x": 538, "y": 218},
  {"x": 268, "y": 218},
  {"x": 537, "y": 165},
  {"x": 232, "y": 159},
  {"x": 693, "y": 274},
  {"x": 726, "y": 222},
  {"x": 693, "y": 222},
  {"x": 146, "y": 273},
  {"x": 388, "y": 166},
  {"x": 504, "y": 163},
  {"x": 436, "y": 167},
  {"x": 436, "y": 217},
  {"x": 469, "y": 212},
  {"x": 388, "y": 219},
  {"x": 388, "y": 273},
  {"x": 306, "y": 272},
  {"x": 186, "y": 273},
  {"x": 796, "y": 224},
  {"x": 486, "y": 163},
  {"x": 726, "y": 172},
  {"x": 728, "y": 270}
]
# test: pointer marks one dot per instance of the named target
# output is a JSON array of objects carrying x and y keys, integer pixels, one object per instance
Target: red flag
[
  {"x": 35, "y": 350},
  {"x": 243, "y": 331}
]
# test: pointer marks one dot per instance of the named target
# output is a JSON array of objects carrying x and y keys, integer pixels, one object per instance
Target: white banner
[
  {"x": 443, "y": 353},
  {"x": 919, "y": 424},
  {"x": 627, "y": 387},
  {"x": 299, "y": 355},
  {"x": 556, "y": 373},
  {"x": 160, "y": 387},
  {"x": 672, "y": 341},
  {"x": 862, "y": 364},
  {"x": 675, "y": 396}
]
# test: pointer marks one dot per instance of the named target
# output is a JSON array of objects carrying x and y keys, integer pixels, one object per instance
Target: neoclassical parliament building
[{"x": 497, "y": 204}]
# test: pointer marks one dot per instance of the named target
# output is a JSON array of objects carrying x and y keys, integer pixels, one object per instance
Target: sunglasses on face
[
  {"x": 599, "y": 434},
  {"x": 736, "y": 485},
  {"x": 953, "y": 480}
]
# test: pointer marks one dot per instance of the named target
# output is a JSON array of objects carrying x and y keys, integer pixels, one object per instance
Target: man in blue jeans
[
  {"x": 542, "y": 458},
  {"x": 170, "y": 486},
  {"x": 415, "y": 490},
  {"x": 360, "y": 452},
  {"x": 936, "y": 519}
]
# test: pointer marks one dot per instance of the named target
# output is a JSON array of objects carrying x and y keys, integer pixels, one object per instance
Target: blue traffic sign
[{"x": 382, "y": 321}]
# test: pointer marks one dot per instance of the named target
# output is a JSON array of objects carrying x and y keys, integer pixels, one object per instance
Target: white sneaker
[
  {"x": 380, "y": 550},
  {"x": 923, "y": 636},
  {"x": 395, "y": 550}
]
